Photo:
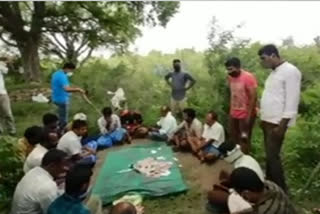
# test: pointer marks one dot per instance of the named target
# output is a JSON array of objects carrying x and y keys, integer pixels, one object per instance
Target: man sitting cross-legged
[
  {"x": 48, "y": 141},
  {"x": 165, "y": 126},
  {"x": 70, "y": 142},
  {"x": 111, "y": 130},
  {"x": 38, "y": 189},
  {"x": 132, "y": 121},
  {"x": 206, "y": 148},
  {"x": 51, "y": 123},
  {"x": 32, "y": 136},
  {"x": 190, "y": 127},
  {"x": 218, "y": 196},
  {"x": 264, "y": 197}
]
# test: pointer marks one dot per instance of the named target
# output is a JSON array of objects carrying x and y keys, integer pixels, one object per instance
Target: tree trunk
[
  {"x": 30, "y": 59},
  {"x": 72, "y": 57}
]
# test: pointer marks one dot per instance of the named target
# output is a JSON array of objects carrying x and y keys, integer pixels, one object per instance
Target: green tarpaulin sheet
[{"x": 112, "y": 182}]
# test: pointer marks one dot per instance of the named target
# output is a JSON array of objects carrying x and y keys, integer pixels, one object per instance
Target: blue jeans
[
  {"x": 211, "y": 149},
  {"x": 108, "y": 140},
  {"x": 63, "y": 114}
]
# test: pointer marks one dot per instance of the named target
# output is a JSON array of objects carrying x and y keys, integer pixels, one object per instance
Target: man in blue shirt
[
  {"x": 61, "y": 88},
  {"x": 76, "y": 187}
]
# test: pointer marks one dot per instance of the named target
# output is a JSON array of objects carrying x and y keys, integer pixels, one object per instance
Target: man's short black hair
[
  {"x": 78, "y": 124},
  {"x": 47, "y": 140},
  {"x": 49, "y": 118},
  {"x": 233, "y": 61},
  {"x": 176, "y": 60},
  {"x": 53, "y": 156},
  {"x": 107, "y": 111},
  {"x": 213, "y": 114},
  {"x": 165, "y": 108},
  {"x": 34, "y": 134},
  {"x": 77, "y": 176},
  {"x": 69, "y": 65},
  {"x": 190, "y": 112},
  {"x": 243, "y": 178},
  {"x": 123, "y": 208},
  {"x": 269, "y": 50},
  {"x": 226, "y": 147}
]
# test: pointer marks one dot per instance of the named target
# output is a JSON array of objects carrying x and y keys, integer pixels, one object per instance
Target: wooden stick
[{"x": 90, "y": 103}]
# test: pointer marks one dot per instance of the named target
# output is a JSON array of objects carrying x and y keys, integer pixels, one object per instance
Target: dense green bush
[
  {"x": 141, "y": 77},
  {"x": 10, "y": 170}
]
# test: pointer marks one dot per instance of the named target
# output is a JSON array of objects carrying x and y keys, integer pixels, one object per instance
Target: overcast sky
[{"x": 266, "y": 21}]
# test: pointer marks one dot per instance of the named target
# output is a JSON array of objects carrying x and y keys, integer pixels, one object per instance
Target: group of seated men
[
  {"x": 58, "y": 164},
  {"x": 244, "y": 189},
  {"x": 202, "y": 140}
]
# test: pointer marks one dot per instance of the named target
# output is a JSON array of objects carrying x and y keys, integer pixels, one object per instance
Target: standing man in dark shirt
[{"x": 179, "y": 85}]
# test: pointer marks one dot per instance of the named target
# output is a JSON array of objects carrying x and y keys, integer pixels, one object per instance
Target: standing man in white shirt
[
  {"x": 38, "y": 189},
  {"x": 279, "y": 108},
  {"x": 6, "y": 117}
]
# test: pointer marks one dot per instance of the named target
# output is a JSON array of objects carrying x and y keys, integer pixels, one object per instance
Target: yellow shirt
[{"x": 24, "y": 148}]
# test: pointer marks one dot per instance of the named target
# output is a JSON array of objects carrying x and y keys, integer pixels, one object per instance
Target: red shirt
[{"x": 240, "y": 94}]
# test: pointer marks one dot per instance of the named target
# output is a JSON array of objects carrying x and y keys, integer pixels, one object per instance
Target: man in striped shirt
[{"x": 266, "y": 197}]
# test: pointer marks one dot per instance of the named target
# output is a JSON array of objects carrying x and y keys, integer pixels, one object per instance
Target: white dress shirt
[
  {"x": 195, "y": 128},
  {"x": 34, "y": 193},
  {"x": 249, "y": 162},
  {"x": 214, "y": 132},
  {"x": 115, "y": 124},
  {"x": 34, "y": 158},
  {"x": 168, "y": 125},
  {"x": 70, "y": 143},
  {"x": 281, "y": 95}
]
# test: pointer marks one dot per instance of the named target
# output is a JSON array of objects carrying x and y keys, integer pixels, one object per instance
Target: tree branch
[
  {"x": 6, "y": 41},
  {"x": 59, "y": 44},
  {"x": 17, "y": 12},
  {"x": 87, "y": 57},
  {"x": 27, "y": 5},
  {"x": 55, "y": 51},
  {"x": 84, "y": 42},
  {"x": 84, "y": 50},
  {"x": 38, "y": 17},
  {"x": 8, "y": 17}
]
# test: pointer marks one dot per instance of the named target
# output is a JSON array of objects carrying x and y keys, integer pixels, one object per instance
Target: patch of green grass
[
  {"x": 27, "y": 114},
  {"x": 191, "y": 202}
]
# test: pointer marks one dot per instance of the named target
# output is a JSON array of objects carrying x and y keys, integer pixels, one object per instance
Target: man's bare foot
[{"x": 200, "y": 156}]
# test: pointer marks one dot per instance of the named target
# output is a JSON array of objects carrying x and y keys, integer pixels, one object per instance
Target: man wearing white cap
[{"x": 222, "y": 194}]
